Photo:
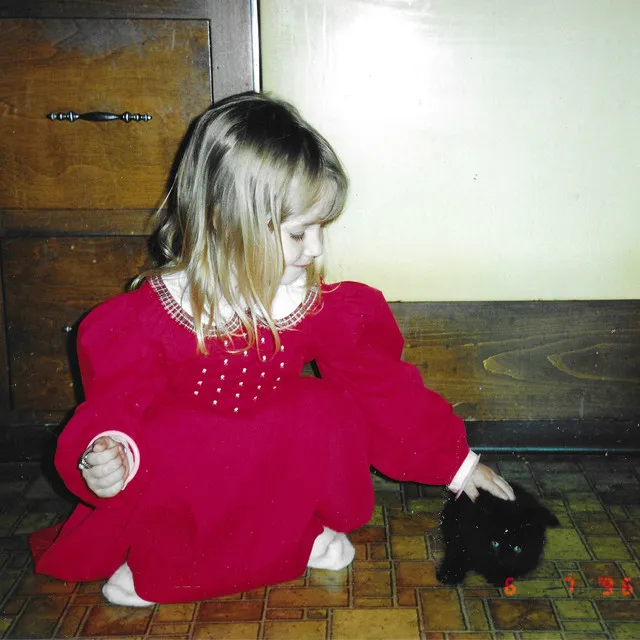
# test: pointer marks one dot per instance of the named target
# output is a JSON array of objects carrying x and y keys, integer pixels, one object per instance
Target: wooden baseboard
[
  {"x": 525, "y": 376},
  {"x": 533, "y": 361},
  {"x": 37, "y": 443},
  {"x": 550, "y": 436}
]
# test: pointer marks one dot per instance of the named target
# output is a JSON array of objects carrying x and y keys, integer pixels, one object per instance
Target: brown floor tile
[
  {"x": 39, "y": 617},
  {"x": 477, "y": 615},
  {"x": 309, "y": 597},
  {"x": 441, "y": 609},
  {"x": 372, "y": 603},
  {"x": 108, "y": 620},
  {"x": 372, "y": 584},
  {"x": 625, "y": 609},
  {"x": 32, "y": 585},
  {"x": 368, "y": 534},
  {"x": 407, "y": 598},
  {"x": 309, "y": 629},
  {"x": 322, "y": 578},
  {"x": 409, "y": 547},
  {"x": 630, "y": 530},
  {"x": 220, "y": 611},
  {"x": 166, "y": 629},
  {"x": 375, "y": 624},
  {"x": 285, "y": 614},
  {"x": 482, "y": 593},
  {"x": 608, "y": 548},
  {"x": 226, "y": 631},
  {"x": 416, "y": 574},
  {"x": 13, "y": 606},
  {"x": 182, "y": 612},
  {"x": 317, "y": 614},
  {"x": 413, "y": 523},
  {"x": 390, "y": 591},
  {"x": 532, "y": 615},
  {"x": 71, "y": 622},
  {"x": 92, "y": 598},
  {"x": 378, "y": 551}
]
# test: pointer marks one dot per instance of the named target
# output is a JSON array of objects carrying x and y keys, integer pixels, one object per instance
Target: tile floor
[{"x": 587, "y": 587}]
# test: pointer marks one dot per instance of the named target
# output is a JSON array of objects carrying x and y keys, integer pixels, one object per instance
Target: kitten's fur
[{"x": 496, "y": 538}]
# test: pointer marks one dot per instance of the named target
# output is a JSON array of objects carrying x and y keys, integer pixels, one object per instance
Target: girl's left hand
[{"x": 485, "y": 478}]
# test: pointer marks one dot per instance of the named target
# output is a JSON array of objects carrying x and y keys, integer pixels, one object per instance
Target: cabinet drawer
[
  {"x": 50, "y": 284},
  {"x": 158, "y": 67}
]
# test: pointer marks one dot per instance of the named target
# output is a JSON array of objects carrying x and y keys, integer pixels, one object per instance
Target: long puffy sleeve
[
  {"x": 123, "y": 370},
  {"x": 413, "y": 433}
]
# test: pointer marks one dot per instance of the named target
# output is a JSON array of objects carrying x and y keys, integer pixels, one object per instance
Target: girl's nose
[{"x": 314, "y": 245}]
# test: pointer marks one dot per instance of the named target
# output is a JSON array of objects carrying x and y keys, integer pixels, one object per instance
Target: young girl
[{"x": 205, "y": 464}]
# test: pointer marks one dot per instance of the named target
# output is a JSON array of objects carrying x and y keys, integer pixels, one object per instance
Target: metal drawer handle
[{"x": 99, "y": 116}]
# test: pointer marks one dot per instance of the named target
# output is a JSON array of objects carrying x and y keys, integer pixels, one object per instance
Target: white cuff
[
  {"x": 464, "y": 473},
  {"x": 130, "y": 449}
]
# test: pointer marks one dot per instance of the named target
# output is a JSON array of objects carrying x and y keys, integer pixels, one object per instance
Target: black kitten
[{"x": 496, "y": 538}]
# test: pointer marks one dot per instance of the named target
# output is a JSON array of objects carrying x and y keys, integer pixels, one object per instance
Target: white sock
[
  {"x": 331, "y": 550},
  {"x": 120, "y": 590}
]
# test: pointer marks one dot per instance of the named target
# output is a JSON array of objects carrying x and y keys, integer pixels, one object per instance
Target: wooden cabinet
[{"x": 75, "y": 196}]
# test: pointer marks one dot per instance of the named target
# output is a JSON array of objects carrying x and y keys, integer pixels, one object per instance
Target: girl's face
[{"x": 301, "y": 244}]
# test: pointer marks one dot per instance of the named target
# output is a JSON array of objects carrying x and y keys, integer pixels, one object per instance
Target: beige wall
[{"x": 493, "y": 146}]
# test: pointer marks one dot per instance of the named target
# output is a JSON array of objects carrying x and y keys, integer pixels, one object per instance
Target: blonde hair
[{"x": 250, "y": 163}]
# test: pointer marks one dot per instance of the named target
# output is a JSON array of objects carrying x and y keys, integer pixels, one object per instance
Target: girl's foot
[
  {"x": 331, "y": 550},
  {"x": 120, "y": 590}
]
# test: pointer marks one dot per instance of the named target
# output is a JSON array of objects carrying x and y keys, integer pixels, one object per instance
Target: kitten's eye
[
  {"x": 495, "y": 544},
  {"x": 517, "y": 549}
]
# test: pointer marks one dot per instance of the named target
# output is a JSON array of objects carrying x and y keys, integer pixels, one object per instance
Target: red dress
[{"x": 242, "y": 460}]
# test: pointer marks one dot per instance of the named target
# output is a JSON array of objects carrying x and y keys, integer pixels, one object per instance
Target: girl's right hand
[
  {"x": 485, "y": 478},
  {"x": 109, "y": 467}
]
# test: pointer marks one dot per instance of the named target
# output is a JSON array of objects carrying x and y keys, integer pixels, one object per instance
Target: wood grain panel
[
  {"x": 50, "y": 284},
  {"x": 230, "y": 23},
  {"x": 4, "y": 357},
  {"x": 528, "y": 360},
  {"x": 17, "y": 222},
  {"x": 159, "y": 67}
]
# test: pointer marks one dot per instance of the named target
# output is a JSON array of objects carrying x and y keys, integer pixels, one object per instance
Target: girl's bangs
[{"x": 322, "y": 193}]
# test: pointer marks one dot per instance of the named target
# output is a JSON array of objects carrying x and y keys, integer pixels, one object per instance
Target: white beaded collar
[{"x": 291, "y": 304}]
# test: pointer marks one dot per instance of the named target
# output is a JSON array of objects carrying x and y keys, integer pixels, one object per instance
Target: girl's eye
[
  {"x": 495, "y": 544},
  {"x": 298, "y": 237}
]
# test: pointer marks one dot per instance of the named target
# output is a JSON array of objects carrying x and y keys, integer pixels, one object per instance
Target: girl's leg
[
  {"x": 331, "y": 550},
  {"x": 120, "y": 590}
]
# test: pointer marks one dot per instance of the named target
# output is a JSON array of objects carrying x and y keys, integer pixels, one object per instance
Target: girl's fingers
[
  {"x": 506, "y": 488},
  {"x": 95, "y": 483},
  {"x": 499, "y": 487},
  {"x": 96, "y": 458},
  {"x": 109, "y": 492},
  {"x": 109, "y": 467},
  {"x": 101, "y": 444},
  {"x": 113, "y": 478},
  {"x": 471, "y": 491},
  {"x": 103, "y": 470}
]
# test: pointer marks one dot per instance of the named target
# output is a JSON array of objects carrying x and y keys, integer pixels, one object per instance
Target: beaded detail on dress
[{"x": 310, "y": 304}]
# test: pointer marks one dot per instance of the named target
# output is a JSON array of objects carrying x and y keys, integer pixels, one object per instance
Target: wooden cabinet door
[
  {"x": 75, "y": 197},
  {"x": 50, "y": 284},
  {"x": 160, "y": 68}
]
